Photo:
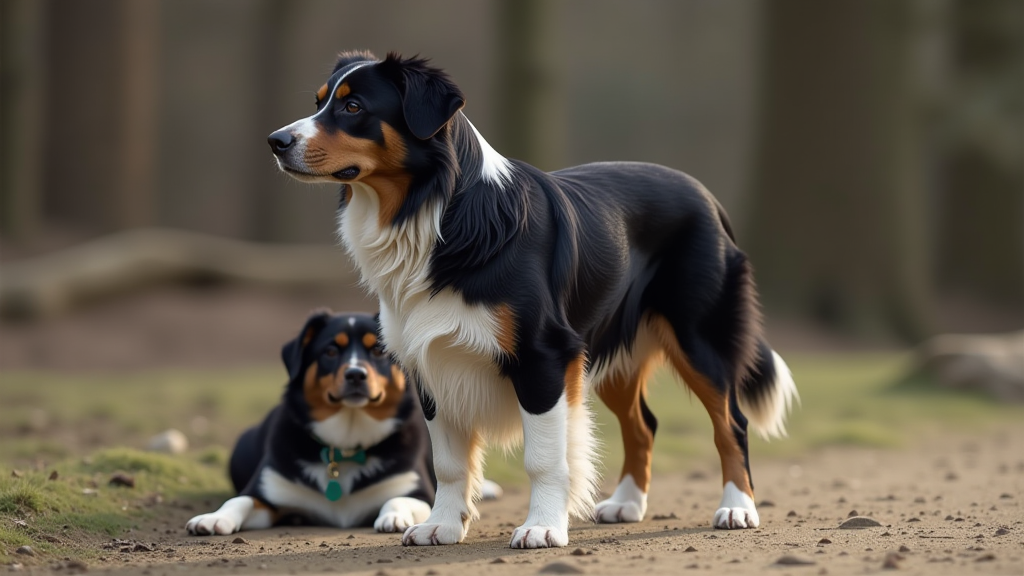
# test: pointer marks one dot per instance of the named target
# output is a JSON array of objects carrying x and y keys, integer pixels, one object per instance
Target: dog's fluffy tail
[{"x": 768, "y": 393}]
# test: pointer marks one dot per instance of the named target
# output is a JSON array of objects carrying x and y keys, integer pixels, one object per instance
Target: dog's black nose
[
  {"x": 356, "y": 376},
  {"x": 281, "y": 141}
]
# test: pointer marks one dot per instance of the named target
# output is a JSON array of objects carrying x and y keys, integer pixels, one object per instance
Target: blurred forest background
[{"x": 870, "y": 153}]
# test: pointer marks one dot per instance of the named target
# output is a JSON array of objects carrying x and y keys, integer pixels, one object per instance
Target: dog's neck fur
[{"x": 395, "y": 261}]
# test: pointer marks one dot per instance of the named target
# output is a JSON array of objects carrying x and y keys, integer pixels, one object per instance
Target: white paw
[
  {"x": 736, "y": 510},
  {"x": 393, "y": 522},
  {"x": 490, "y": 490},
  {"x": 612, "y": 512},
  {"x": 212, "y": 523},
  {"x": 433, "y": 534},
  {"x": 399, "y": 513},
  {"x": 539, "y": 537},
  {"x": 732, "y": 518}
]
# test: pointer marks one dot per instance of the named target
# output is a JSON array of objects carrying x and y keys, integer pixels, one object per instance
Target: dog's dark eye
[
  {"x": 331, "y": 352},
  {"x": 377, "y": 351},
  {"x": 352, "y": 107}
]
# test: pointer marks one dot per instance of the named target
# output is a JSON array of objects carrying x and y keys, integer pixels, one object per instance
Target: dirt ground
[
  {"x": 948, "y": 505},
  {"x": 952, "y": 505}
]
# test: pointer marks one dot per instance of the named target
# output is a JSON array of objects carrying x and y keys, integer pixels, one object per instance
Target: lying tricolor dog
[
  {"x": 507, "y": 293},
  {"x": 347, "y": 446}
]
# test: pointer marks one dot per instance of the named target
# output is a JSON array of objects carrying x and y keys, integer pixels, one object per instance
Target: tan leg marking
[
  {"x": 574, "y": 375},
  {"x": 622, "y": 396},
  {"x": 716, "y": 403},
  {"x": 506, "y": 328}
]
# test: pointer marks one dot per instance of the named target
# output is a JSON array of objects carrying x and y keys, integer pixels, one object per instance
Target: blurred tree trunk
[
  {"x": 529, "y": 111},
  {"x": 134, "y": 194},
  {"x": 24, "y": 88},
  {"x": 839, "y": 225}
]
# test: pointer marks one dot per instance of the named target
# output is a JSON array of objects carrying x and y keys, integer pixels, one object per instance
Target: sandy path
[{"x": 952, "y": 504}]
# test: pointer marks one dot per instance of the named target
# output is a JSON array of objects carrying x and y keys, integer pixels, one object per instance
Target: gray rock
[
  {"x": 858, "y": 522},
  {"x": 169, "y": 442}
]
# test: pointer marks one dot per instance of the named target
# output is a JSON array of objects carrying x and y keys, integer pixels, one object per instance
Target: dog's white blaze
[
  {"x": 351, "y": 428},
  {"x": 627, "y": 504},
  {"x": 768, "y": 417},
  {"x": 351, "y": 509},
  {"x": 496, "y": 168},
  {"x": 736, "y": 510}
]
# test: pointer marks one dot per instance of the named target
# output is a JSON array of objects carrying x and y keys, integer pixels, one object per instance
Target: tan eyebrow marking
[
  {"x": 341, "y": 339},
  {"x": 321, "y": 93},
  {"x": 343, "y": 90},
  {"x": 370, "y": 340}
]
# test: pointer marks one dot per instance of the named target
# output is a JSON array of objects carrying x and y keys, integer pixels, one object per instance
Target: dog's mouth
[
  {"x": 346, "y": 173},
  {"x": 354, "y": 399}
]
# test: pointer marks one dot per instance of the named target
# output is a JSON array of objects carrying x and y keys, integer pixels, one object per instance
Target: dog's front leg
[
  {"x": 457, "y": 464},
  {"x": 545, "y": 456}
]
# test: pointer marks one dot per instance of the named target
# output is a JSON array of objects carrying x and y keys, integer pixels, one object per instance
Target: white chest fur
[{"x": 452, "y": 346}]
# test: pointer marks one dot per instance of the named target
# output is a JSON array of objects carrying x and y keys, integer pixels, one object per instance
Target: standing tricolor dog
[{"x": 507, "y": 293}]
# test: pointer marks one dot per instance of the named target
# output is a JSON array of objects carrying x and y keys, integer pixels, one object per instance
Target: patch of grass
[{"x": 69, "y": 515}]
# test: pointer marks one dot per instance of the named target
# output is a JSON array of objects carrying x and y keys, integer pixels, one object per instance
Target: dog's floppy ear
[
  {"x": 291, "y": 353},
  {"x": 429, "y": 97}
]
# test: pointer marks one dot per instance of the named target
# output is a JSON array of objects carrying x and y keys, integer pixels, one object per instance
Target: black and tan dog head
[
  {"x": 336, "y": 362},
  {"x": 375, "y": 122}
]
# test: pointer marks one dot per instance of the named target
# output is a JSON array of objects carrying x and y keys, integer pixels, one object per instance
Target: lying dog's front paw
[
  {"x": 733, "y": 518},
  {"x": 612, "y": 512},
  {"x": 212, "y": 523},
  {"x": 393, "y": 522},
  {"x": 433, "y": 534},
  {"x": 539, "y": 537}
]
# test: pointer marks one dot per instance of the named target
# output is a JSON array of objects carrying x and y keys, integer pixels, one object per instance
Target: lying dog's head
[
  {"x": 337, "y": 363},
  {"x": 375, "y": 122}
]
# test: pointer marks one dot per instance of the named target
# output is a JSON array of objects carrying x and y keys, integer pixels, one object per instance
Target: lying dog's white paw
[
  {"x": 490, "y": 490},
  {"x": 213, "y": 523},
  {"x": 433, "y": 534},
  {"x": 397, "y": 514},
  {"x": 539, "y": 537},
  {"x": 737, "y": 510}
]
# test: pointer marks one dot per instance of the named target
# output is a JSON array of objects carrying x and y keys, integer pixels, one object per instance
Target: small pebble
[
  {"x": 239, "y": 540},
  {"x": 793, "y": 561},
  {"x": 852, "y": 514},
  {"x": 858, "y": 522},
  {"x": 123, "y": 480},
  {"x": 54, "y": 475},
  {"x": 500, "y": 560},
  {"x": 1002, "y": 532},
  {"x": 26, "y": 550},
  {"x": 690, "y": 549},
  {"x": 578, "y": 552},
  {"x": 892, "y": 561}
]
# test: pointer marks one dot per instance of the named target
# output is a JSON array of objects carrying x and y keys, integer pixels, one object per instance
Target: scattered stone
[
  {"x": 919, "y": 500},
  {"x": 89, "y": 492},
  {"x": 76, "y": 566},
  {"x": 690, "y": 549},
  {"x": 914, "y": 519},
  {"x": 16, "y": 567},
  {"x": 578, "y": 552},
  {"x": 948, "y": 517},
  {"x": 670, "y": 516},
  {"x": 1006, "y": 496},
  {"x": 791, "y": 514},
  {"x": 951, "y": 476},
  {"x": 21, "y": 524},
  {"x": 766, "y": 504},
  {"x": 824, "y": 541},
  {"x": 123, "y": 480},
  {"x": 384, "y": 561},
  {"x": 794, "y": 561},
  {"x": 169, "y": 442},
  {"x": 892, "y": 561},
  {"x": 350, "y": 537},
  {"x": 501, "y": 560},
  {"x": 852, "y": 514},
  {"x": 140, "y": 547},
  {"x": 1002, "y": 532},
  {"x": 16, "y": 474},
  {"x": 26, "y": 550},
  {"x": 986, "y": 558},
  {"x": 54, "y": 475},
  {"x": 859, "y": 522},
  {"x": 904, "y": 549},
  {"x": 560, "y": 568},
  {"x": 240, "y": 540}
]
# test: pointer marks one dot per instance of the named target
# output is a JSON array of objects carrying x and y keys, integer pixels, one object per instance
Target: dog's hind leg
[
  {"x": 457, "y": 465},
  {"x": 624, "y": 396},
  {"x": 713, "y": 388}
]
